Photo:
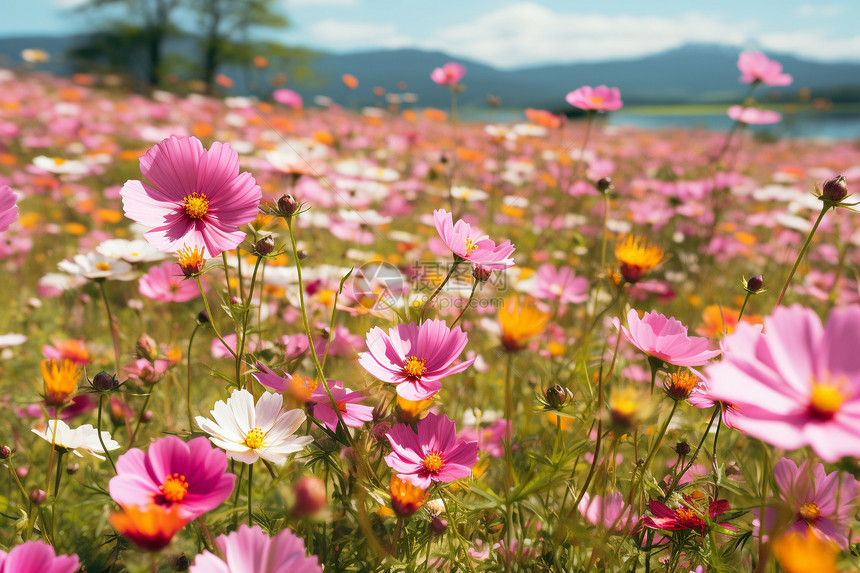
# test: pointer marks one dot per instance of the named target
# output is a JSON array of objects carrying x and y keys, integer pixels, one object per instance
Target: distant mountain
[{"x": 697, "y": 73}]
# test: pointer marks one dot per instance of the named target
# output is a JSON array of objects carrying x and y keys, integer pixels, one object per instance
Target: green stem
[
  {"x": 226, "y": 272},
  {"x": 111, "y": 325},
  {"x": 460, "y": 541},
  {"x": 188, "y": 377},
  {"x": 468, "y": 303},
  {"x": 101, "y": 440},
  {"x": 743, "y": 306},
  {"x": 211, "y": 317},
  {"x": 655, "y": 364},
  {"x": 509, "y": 448},
  {"x": 250, "y": 488},
  {"x": 824, "y": 209},
  {"x": 56, "y": 505},
  {"x": 245, "y": 315},
  {"x": 651, "y": 453},
  {"x": 140, "y": 417},
  {"x": 427, "y": 302},
  {"x": 690, "y": 463}
]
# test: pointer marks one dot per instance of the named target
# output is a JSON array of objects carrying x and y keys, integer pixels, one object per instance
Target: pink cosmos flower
[
  {"x": 166, "y": 283},
  {"x": 192, "y": 475},
  {"x": 560, "y": 284},
  {"x": 796, "y": 385},
  {"x": 609, "y": 511},
  {"x": 37, "y": 557},
  {"x": 824, "y": 504},
  {"x": 449, "y": 74},
  {"x": 688, "y": 515},
  {"x": 665, "y": 339},
  {"x": 469, "y": 244},
  {"x": 415, "y": 358},
  {"x": 353, "y": 413},
  {"x": 8, "y": 208},
  {"x": 288, "y": 98},
  {"x": 601, "y": 98},
  {"x": 433, "y": 454},
  {"x": 249, "y": 549},
  {"x": 754, "y": 115},
  {"x": 756, "y": 67},
  {"x": 198, "y": 197}
]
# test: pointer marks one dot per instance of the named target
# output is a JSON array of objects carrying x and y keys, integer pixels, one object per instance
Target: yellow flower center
[
  {"x": 255, "y": 439},
  {"x": 826, "y": 398},
  {"x": 433, "y": 463},
  {"x": 191, "y": 260},
  {"x": 470, "y": 246},
  {"x": 174, "y": 489},
  {"x": 596, "y": 99},
  {"x": 60, "y": 380},
  {"x": 415, "y": 367},
  {"x": 809, "y": 511},
  {"x": 103, "y": 266},
  {"x": 636, "y": 257},
  {"x": 680, "y": 384},
  {"x": 196, "y": 205}
]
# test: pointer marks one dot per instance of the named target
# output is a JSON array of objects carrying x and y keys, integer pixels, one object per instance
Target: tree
[{"x": 226, "y": 28}]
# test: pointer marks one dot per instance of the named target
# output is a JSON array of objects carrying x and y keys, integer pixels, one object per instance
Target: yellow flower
[
  {"x": 520, "y": 321},
  {"x": 152, "y": 527},
  {"x": 636, "y": 257},
  {"x": 798, "y": 553},
  {"x": 191, "y": 260},
  {"x": 60, "y": 378},
  {"x": 406, "y": 499},
  {"x": 409, "y": 411}
]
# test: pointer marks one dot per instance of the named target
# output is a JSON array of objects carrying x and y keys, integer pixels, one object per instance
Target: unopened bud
[
  {"x": 104, "y": 381},
  {"x": 682, "y": 448},
  {"x": 604, "y": 184},
  {"x": 288, "y": 205},
  {"x": 835, "y": 189},
  {"x": 5, "y": 452},
  {"x": 265, "y": 245},
  {"x": 303, "y": 254},
  {"x": 481, "y": 274},
  {"x": 38, "y": 497},
  {"x": 439, "y": 525},
  {"x": 310, "y": 496},
  {"x": 235, "y": 300},
  {"x": 380, "y": 430},
  {"x": 147, "y": 416},
  {"x": 203, "y": 317},
  {"x": 755, "y": 284},
  {"x": 556, "y": 395},
  {"x": 73, "y": 468},
  {"x": 181, "y": 563},
  {"x": 146, "y": 347}
]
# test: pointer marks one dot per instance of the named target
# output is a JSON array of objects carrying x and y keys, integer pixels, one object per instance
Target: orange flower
[
  {"x": 151, "y": 528},
  {"x": 406, "y": 499},
  {"x": 543, "y": 118},
  {"x": 520, "y": 321},
  {"x": 718, "y": 321},
  {"x": 350, "y": 81},
  {"x": 301, "y": 388},
  {"x": 191, "y": 261},
  {"x": 410, "y": 411},
  {"x": 798, "y": 553},
  {"x": 636, "y": 257},
  {"x": 60, "y": 378}
]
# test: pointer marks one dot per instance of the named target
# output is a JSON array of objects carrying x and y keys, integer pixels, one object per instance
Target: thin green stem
[
  {"x": 226, "y": 272},
  {"x": 468, "y": 303},
  {"x": 460, "y": 541},
  {"x": 140, "y": 417},
  {"x": 824, "y": 209},
  {"x": 427, "y": 302},
  {"x": 211, "y": 317},
  {"x": 690, "y": 463},
  {"x": 99, "y": 430},
  {"x": 245, "y": 315},
  {"x": 509, "y": 448},
  {"x": 652, "y": 451},
  {"x": 743, "y": 306},
  {"x": 56, "y": 505},
  {"x": 111, "y": 325},
  {"x": 250, "y": 494},
  {"x": 188, "y": 377}
]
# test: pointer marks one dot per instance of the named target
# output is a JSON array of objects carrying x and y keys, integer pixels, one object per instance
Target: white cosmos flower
[
  {"x": 248, "y": 432},
  {"x": 81, "y": 440},
  {"x": 97, "y": 266},
  {"x": 136, "y": 251}
]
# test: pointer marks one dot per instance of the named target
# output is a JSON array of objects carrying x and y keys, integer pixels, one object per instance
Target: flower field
[{"x": 246, "y": 335}]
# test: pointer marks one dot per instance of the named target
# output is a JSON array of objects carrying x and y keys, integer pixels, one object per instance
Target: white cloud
[
  {"x": 339, "y": 34},
  {"x": 822, "y": 11},
  {"x": 526, "y": 33},
  {"x": 817, "y": 43},
  {"x": 67, "y": 3}
]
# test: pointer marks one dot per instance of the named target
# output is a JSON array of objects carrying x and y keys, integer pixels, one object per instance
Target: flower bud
[
  {"x": 147, "y": 416},
  {"x": 310, "y": 496},
  {"x": 439, "y": 525},
  {"x": 146, "y": 347},
  {"x": 38, "y": 497},
  {"x": 104, "y": 381},
  {"x": 288, "y": 205},
  {"x": 73, "y": 468},
  {"x": 203, "y": 317},
  {"x": 481, "y": 274},
  {"x": 556, "y": 396},
  {"x": 380, "y": 430},
  {"x": 682, "y": 448},
  {"x": 406, "y": 498},
  {"x": 604, "y": 184},
  {"x": 835, "y": 189},
  {"x": 5, "y": 452},
  {"x": 679, "y": 385},
  {"x": 265, "y": 245},
  {"x": 302, "y": 254},
  {"x": 181, "y": 563},
  {"x": 235, "y": 300},
  {"x": 755, "y": 284}
]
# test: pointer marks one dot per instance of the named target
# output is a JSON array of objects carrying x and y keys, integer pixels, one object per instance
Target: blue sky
[{"x": 517, "y": 33}]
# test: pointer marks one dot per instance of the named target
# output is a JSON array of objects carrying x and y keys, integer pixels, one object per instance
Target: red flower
[{"x": 685, "y": 516}]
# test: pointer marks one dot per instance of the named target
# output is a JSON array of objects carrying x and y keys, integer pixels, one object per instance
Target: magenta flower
[
  {"x": 37, "y": 557},
  {"x": 469, "y": 244},
  {"x": 433, "y": 454},
  {"x": 415, "y": 358},
  {"x": 798, "y": 384},
  {"x": 753, "y": 115},
  {"x": 608, "y": 512},
  {"x": 688, "y": 515},
  {"x": 353, "y": 413},
  {"x": 824, "y": 504},
  {"x": 8, "y": 208},
  {"x": 665, "y": 339},
  {"x": 601, "y": 98},
  {"x": 449, "y": 74},
  {"x": 288, "y": 98},
  {"x": 756, "y": 67},
  {"x": 192, "y": 475},
  {"x": 166, "y": 283},
  {"x": 249, "y": 549},
  {"x": 198, "y": 198},
  {"x": 560, "y": 284}
]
